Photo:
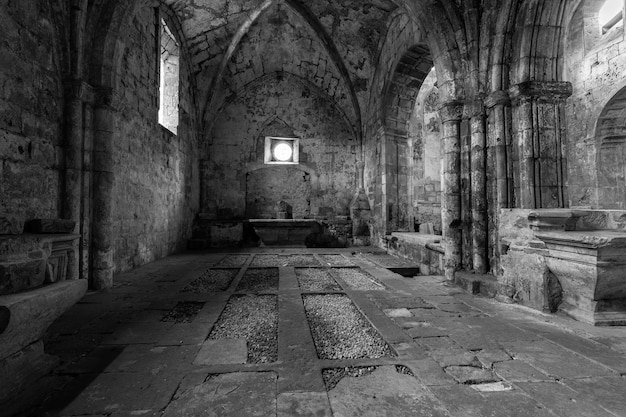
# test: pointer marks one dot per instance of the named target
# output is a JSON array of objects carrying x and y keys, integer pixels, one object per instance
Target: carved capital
[
  {"x": 451, "y": 111},
  {"x": 473, "y": 109}
]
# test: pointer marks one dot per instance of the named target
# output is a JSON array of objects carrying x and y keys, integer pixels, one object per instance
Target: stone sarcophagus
[
  {"x": 38, "y": 283},
  {"x": 591, "y": 269}
]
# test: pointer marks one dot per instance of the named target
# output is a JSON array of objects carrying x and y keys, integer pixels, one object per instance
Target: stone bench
[{"x": 421, "y": 248}]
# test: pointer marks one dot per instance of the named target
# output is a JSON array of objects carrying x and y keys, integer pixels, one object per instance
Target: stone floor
[{"x": 454, "y": 354}]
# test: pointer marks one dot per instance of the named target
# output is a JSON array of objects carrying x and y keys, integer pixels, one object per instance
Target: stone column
[
  {"x": 451, "y": 188},
  {"x": 103, "y": 179},
  {"x": 539, "y": 136},
  {"x": 499, "y": 176},
  {"x": 78, "y": 93},
  {"x": 475, "y": 112}
]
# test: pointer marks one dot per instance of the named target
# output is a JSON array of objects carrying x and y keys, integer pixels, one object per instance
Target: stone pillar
[
  {"x": 360, "y": 211},
  {"x": 475, "y": 112},
  {"x": 73, "y": 196},
  {"x": 451, "y": 188},
  {"x": 499, "y": 170},
  {"x": 539, "y": 136},
  {"x": 103, "y": 179}
]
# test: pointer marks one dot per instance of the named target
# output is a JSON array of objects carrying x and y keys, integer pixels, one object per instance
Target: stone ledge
[{"x": 32, "y": 312}]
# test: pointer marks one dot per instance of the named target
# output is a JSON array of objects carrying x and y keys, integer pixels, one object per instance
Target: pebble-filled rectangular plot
[
  {"x": 336, "y": 260},
  {"x": 258, "y": 280},
  {"x": 284, "y": 260},
  {"x": 340, "y": 331},
  {"x": 254, "y": 318},
  {"x": 316, "y": 279},
  {"x": 358, "y": 279},
  {"x": 183, "y": 312},
  {"x": 211, "y": 281},
  {"x": 233, "y": 261}
]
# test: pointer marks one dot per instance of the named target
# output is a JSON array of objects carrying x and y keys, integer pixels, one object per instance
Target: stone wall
[
  {"x": 155, "y": 192},
  {"x": 285, "y": 107},
  {"x": 595, "y": 67},
  {"x": 31, "y": 107}
]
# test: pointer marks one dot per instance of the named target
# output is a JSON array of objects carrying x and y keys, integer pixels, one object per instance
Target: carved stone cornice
[{"x": 549, "y": 91}]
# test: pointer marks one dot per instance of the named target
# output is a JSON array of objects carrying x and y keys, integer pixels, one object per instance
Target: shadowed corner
[{"x": 5, "y": 317}]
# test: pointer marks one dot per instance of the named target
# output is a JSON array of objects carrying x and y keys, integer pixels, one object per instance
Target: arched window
[
  {"x": 169, "y": 79},
  {"x": 611, "y": 15}
]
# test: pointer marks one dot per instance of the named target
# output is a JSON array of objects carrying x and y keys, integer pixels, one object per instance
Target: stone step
[{"x": 477, "y": 284}]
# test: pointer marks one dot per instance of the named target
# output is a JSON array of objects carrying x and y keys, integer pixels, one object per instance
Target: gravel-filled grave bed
[
  {"x": 259, "y": 280},
  {"x": 336, "y": 260},
  {"x": 254, "y": 318},
  {"x": 284, "y": 260},
  {"x": 211, "y": 280},
  {"x": 234, "y": 261},
  {"x": 357, "y": 279},
  {"x": 183, "y": 312},
  {"x": 340, "y": 331},
  {"x": 316, "y": 279}
]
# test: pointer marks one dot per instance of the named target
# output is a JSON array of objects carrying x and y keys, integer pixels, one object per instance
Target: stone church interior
[{"x": 312, "y": 207}]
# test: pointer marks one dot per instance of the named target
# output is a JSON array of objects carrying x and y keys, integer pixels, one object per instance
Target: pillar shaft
[
  {"x": 479, "y": 189},
  {"x": 103, "y": 179},
  {"x": 451, "y": 187}
]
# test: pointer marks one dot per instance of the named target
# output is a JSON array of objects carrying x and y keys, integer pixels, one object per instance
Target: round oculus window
[{"x": 283, "y": 152}]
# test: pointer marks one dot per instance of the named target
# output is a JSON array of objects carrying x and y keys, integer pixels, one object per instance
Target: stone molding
[
  {"x": 500, "y": 97},
  {"x": 80, "y": 90},
  {"x": 550, "y": 91}
]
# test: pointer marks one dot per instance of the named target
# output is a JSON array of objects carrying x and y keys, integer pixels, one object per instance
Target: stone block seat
[{"x": 421, "y": 248}]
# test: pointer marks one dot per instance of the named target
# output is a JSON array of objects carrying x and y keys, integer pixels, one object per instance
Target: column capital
[
  {"x": 550, "y": 91},
  {"x": 495, "y": 98},
  {"x": 475, "y": 108},
  {"x": 451, "y": 111}
]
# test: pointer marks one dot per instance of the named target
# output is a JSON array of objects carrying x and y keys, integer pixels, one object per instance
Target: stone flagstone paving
[{"x": 453, "y": 354}]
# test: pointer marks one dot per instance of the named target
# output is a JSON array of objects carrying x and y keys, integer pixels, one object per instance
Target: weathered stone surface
[
  {"x": 311, "y": 404},
  {"x": 222, "y": 352},
  {"x": 11, "y": 225},
  {"x": 236, "y": 394},
  {"x": 470, "y": 374},
  {"x": 384, "y": 391},
  {"x": 32, "y": 312},
  {"x": 18, "y": 276}
]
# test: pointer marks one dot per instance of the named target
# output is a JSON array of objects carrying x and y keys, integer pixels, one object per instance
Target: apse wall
[
  {"x": 156, "y": 175},
  {"x": 279, "y": 105}
]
